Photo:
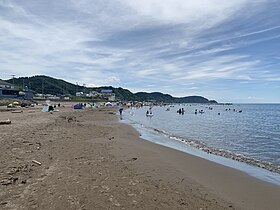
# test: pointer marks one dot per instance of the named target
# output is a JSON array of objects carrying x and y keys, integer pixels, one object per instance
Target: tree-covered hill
[
  {"x": 194, "y": 99},
  {"x": 48, "y": 85},
  {"x": 121, "y": 94},
  {"x": 155, "y": 96}
]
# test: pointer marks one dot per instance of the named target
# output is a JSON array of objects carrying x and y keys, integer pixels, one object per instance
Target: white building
[
  {"x": 6, "y": 85},
  {"x": 8, "y": 90}
]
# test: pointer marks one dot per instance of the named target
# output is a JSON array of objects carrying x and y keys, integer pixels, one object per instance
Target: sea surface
[{"x": 242, "y": 136}]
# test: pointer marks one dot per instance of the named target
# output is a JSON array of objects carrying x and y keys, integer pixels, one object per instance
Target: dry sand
[{"x": 91, "y": 161}]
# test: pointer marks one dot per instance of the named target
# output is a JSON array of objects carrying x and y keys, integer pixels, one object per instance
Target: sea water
[{"x": 242, "y": 136}]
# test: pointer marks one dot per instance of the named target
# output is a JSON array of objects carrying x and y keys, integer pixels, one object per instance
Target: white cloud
[
  {"x": 112, "y": 80},
  {"x": 146, "y": 43},
  {"x": 254, "y": 98},
  {"x": 186, "y": 11},
  {"x": 193, "y": 88}
]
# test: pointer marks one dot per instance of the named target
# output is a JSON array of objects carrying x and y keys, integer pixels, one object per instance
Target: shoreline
[
  {"x": 251, "y": 169},
  {"x": 89, "y": 160},
  {"x": 225, "y": 153},
  {"x": 272, "y": 167},
  {"x": 271, "y": 172},
  {"x": 242, "y": 189}
]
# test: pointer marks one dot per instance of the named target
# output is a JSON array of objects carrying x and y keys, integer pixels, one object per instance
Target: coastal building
[
  {"x": 92, "y": 94},
  {"x": 29, "y": 95},
  {"x": 80, "y": 94},
  {"x": 8, "y": 90},
  {"x": 108, "y": 94},
  {"x": 46, "y": 96},
  {"x": 7, "y": 85}
]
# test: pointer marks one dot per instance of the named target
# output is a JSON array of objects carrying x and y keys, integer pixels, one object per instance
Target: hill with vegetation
[
  {"x": 48, "y": 85},
  {"x": 194, "y": 99},
  {"x": 157, "y": 96}
]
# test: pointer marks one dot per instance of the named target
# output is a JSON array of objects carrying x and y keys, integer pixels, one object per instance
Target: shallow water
[{"x": 251, "y": 136}]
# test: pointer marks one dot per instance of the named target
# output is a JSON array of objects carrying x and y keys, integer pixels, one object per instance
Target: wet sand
[{"x": 86, "y": 159}]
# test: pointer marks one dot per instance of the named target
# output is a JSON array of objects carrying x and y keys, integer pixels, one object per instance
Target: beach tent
[
  {"x": 11, "y": 105},
  {"x": 78, "y": 106},
  {"x": 24, "y": 105},
  {"x": 47, "y": 108},
  {"x": 108, "y": 104},
  {"x": 88, "y": 105}
]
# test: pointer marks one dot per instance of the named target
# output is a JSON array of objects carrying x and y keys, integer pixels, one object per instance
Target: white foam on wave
[{"x": 224, "y": 153}]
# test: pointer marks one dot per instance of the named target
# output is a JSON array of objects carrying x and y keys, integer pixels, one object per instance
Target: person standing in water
[{"x": 120, "y": 111}]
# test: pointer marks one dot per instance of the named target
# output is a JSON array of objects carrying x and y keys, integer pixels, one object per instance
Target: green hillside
[
  {"x": 155, "y": 96},
  {"x": 166, "y": 98},
  {"x": 48, "y": 85},
  {"x": 193, "y": 99},
  {"x": 121, "y": 94}
]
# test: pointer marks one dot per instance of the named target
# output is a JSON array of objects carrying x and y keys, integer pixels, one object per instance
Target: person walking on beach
[{"x": 120, "y": 111}]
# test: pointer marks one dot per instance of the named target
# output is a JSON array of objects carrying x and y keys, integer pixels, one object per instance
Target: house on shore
[
  {"x": 8, "y": 90},
  {"x": 108, "y": 94}
]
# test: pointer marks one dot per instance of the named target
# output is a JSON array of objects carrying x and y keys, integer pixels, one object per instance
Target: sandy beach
[{"x": 87, "y": 159}]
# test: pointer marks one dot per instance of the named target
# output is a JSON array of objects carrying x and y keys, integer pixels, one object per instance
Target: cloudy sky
[{"x": 223, "y": 50}]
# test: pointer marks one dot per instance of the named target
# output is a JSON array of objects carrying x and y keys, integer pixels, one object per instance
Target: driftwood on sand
[
  {"x": 17, "y": 111},
  {"x": 5, "y": 122},
  {"x": 37, "y": 162}
]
